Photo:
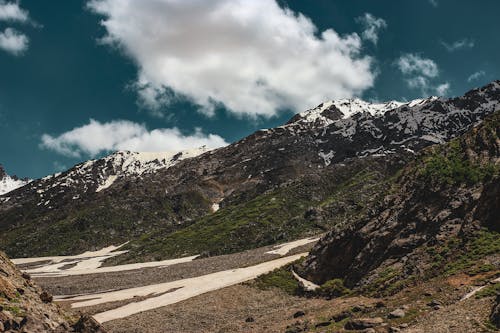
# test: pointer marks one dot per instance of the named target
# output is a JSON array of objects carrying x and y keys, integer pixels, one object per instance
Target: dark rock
[
  {"x": 380, "y": 304},
  {"x": 299, "y": 314},
  {"x": 46, "y": 297},
  {"x": 341, "y": 316},
  {"x": 87, "y": 324},
  {"x": 433, "y": 303},
  {"x": 495, "y": 312},
  {"x": 323, "y": 324},
  {"x": 26, "y": 276},
  {"x": 249, "y": 320}
]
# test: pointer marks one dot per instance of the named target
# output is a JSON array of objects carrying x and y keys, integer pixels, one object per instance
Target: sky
[{"x": 81, "y": 79}]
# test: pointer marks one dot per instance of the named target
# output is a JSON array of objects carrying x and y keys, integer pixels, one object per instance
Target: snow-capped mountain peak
[
  {"x": 10, "y": 183},
  {"x": 328, "y": 112}
]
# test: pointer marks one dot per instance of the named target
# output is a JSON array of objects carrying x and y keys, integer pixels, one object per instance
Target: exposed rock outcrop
[
  {"x": 447, "y": 195},
  {"x": 24, "y": 307}
]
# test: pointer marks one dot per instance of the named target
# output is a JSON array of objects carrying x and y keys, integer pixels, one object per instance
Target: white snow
[
  {"x": 284, "y": 248},
  {"x": 126, "y": 163},
  {"x": 327, "y": 157},
  {"x": 103, "y": 253},
  {"x": 174, "y": 291},
  {"x": 107, "y": 183},
  {"x": 308, "y": 285},
  {"x": 215, "y": 207},
  {"x": 93, "y": 266},
  {"x": 8, "y": 184},
  {"x": 348, "y": 107}
]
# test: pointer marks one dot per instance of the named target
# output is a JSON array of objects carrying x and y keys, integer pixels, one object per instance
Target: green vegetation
[
  {"x": 489, "y": 291},
  {"x": 450, "y": 164},
  {"x": 333, "y": 288},
  {"x": 280, "y": 215},
  {"x": 15, "y": 310},
  {"x": 280, "y": 278},
  {"x": 484, "y": 244}
]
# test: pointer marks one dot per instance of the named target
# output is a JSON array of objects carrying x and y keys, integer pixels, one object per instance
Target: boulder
[
  {"x": 398, "y": 313},
  {"x": 46, "y": 297},
  {"x": 363, "y": 323}
]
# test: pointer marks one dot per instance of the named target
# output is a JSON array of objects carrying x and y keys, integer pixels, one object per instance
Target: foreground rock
[{"x": 24, "y": 307}]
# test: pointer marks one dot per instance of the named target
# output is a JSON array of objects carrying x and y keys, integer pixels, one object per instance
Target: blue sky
[{"x": 80, "y": 79}]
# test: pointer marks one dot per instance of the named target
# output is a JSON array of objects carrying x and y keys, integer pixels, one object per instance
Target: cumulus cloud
[
  {"x": 372, "y": 26},
  {"x": 96, "y": 137},
  {"x": 13, "y": 41},
  {"x": 10, "y": 11},
  {"x": 459, "y": 44},
  {"x": 443, "y": 89},
  {"x": 414, "y": 64},
  {"x": 476, "y": 76},
  {"x": 420, "y": 73},
  {"x": 253, "y": 57}
]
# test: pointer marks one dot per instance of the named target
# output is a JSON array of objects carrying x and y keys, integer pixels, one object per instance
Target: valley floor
[{"x": 215, "y": 294}]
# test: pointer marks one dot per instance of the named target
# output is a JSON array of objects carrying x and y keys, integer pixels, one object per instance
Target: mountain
[
  {"x": 10, "y": 183},
  {"x": 441, "y": 217},
  {"x": 24, "y": 307},
  {"x": 318, "y": 170}
]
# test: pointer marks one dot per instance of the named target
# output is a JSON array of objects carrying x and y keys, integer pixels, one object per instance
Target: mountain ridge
[{"x": 170, "y": 199}]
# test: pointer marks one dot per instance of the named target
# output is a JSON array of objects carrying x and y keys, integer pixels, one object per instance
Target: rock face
[
  {"x": 495, "y": 313},
  {"x": 125, "y": 195},
  {"x": 24, "y": 308},
  {"x": 10, "y": 183},
  {"x": 448, "y": 194}
]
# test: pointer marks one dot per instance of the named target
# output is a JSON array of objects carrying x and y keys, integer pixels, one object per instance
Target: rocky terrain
[
  {"x": 24, "y": 307},
  {"x": 406, "y": 196},
  {"x": 445, "y": 202},
  {"x": 320, "y": 168}
]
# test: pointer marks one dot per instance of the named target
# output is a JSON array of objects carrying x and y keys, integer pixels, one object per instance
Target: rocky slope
[
  {"x": 442, "y": 217},
  {"x": 318, "y": 157},
  {"x": 10, "y": 183},
  {"x": 24, "y": 307}
]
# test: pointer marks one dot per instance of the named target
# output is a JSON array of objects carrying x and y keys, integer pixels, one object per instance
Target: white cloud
[
  {"x": 254, "y": 57},
  {"x": 414, "y": 64},
  {"x": 420, "y": 73},
  {"x": 372, "y": 26},
  {"x": 13, "y": 41},
  {"x": 459, "y": 44},
  {"x": 475, "y": 76},
  {"x": 10, "y": 11},
  {"x": 96, "y": 137},
  {"x": 434, "y": 3},
  {"x": 443, "y": 89}
]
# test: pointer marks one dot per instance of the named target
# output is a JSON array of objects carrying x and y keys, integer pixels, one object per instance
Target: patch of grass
[
  {"x": 485, "y": 243},
  {"x": 280, "y": 278},
  {"x": 451, "y": 165},
  {"x": 333, "y": 288},
  {"x": 381, "y": 282},
  {"x": 489, "y": 291},
  {"x": 15, "y": 310}
]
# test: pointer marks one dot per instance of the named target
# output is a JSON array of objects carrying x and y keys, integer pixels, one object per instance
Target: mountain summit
[
  {"x": 129, "y": 195},
  {"x": 10, "y": 183}
]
